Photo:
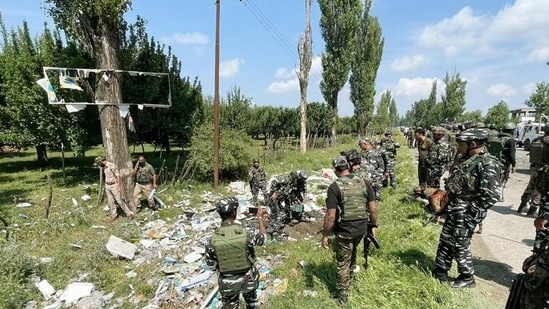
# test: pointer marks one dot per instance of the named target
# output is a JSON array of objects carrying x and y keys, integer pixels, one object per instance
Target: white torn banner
[
  {"x": 69, "y": 82},
  {"x": 74, "y": 108},
  {"x": 47, "y": 86},
  {"x": 123, "y": 109}
]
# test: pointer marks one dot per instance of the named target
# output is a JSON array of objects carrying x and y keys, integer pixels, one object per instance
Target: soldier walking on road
[
  {"x": 145, "y": 181},
  {"x": 539, "y": 157},
  {"x": 112, "y": 188},
  {"x": 350, "y": 203},
  {"x": 258, "y": 181},
  {"x": 473, "y": 187},
  {"x": 231, "y": 252}
]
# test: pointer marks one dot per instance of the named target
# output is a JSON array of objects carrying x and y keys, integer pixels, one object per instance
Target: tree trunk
[
  {"x": 113, "y": 129},
  {"x": 42, "y": 155},
  {"x": 334, "y": 125}
]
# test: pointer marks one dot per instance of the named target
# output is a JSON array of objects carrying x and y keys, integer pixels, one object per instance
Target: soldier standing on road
[
  {"x": 145, "y": 181},
  {"x": 438, "y": 158},
  {"x": 112, "y": 188},
  {"x": 473, "y": 187},
  {"x": 350, "y": 203},
  {"x": 508, "y": 155},
  {"x": 424, "y": 149},
  {"x": 539, "y": 156},
  {"x": 389, "y": 146},
  {"x": 231, "y": 253},
  {"x": 258, "y": 181}
]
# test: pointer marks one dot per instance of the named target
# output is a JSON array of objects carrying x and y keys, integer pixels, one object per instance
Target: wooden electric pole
[{"x": 216, "y": 97}]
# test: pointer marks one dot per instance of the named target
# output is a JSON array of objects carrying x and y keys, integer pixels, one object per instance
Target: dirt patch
[{"x": 305, "y": 230}]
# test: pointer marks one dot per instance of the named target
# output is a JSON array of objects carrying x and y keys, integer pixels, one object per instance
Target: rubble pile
[{"x": 178, "y": 247}]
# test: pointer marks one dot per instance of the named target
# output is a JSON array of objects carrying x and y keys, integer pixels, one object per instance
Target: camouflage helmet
[
  {"x": 473, "y": 134},
  {"x": 340, "y": 163},
  {"x": 226, "y": 205},
  {"x": 256, "y": 160},
  {"x": 509, "y": 126},
  {"x": 439, "y": 130},
  {"x": 546, "y": 128},
  {"x": 480, "y": 125},
  {"x": 493, "y": 126},
  {"x": 302, "y": 175},
  {"x": 388, "y": 133},
  {"x": 352, "y": 155},
  {"x": 363, "y": 141}
]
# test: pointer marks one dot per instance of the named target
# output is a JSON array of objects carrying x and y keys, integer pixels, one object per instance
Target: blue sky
[{"x": 499, "y": 46}]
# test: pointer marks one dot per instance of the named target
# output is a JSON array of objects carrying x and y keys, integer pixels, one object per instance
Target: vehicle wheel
[{"x": 527, "y": 145}]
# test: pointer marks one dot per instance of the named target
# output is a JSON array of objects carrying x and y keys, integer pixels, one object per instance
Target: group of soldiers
[{"x": 284, "y": 198}]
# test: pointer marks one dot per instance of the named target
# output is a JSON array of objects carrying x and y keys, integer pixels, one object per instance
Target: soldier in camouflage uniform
[
  {"x": 539, "y": 156},
  {"x": 258, "y": 181},
  {"x": 473, "y": 187},
  {"x": 296, "y": 195},
  {"x": 536, "y": 267},
  {"x": 438, "y": 158},
  {"x": 424, "y": 149},
  {"x": 389, "y": 147},
  {"x": 373, "y": 164},
  {"x": 278, "y": 195},
  {"x": 509, "y": 154},
  {"x": 231, "y": 253},
  {"x": 349, "y": 204}
]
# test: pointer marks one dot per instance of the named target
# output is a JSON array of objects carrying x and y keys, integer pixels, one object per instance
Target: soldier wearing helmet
[
  {"x": 389, "y": 147},
  {"x": 350, "y": 207},
  {"x": 438, "y": 159},
  {"x": 231, "y": 253},
  {"x": 278, "y": 197},
  {"x": 473, "y": 187},
  {"x": 373, "y": 163},
  {"x": 507, "y": 157},
  {"x": 258, "y": 181}
]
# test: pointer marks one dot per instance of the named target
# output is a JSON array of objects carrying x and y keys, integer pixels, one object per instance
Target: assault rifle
[{"x": 371, "y": 238}]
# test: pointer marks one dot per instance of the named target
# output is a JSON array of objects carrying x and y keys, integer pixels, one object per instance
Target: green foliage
[
  {"x": 339, "y": 22},
  {"x": 366, "y": 60},
  {"x": 474, "y": 116},
  {"x": 453, "y": 99},
  {"x": 234, "y": 159},
  {"x": 16, "y": 268},
  {"x": 540, "y": 98},
  {"x": 497, "y": 114}
]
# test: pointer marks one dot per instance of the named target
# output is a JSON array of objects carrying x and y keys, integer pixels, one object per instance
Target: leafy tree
[
  {"x": 540, "y": 99},
  {"x": 383, "y": 119},
  {"x": 319, "y": 120},
  {"x": 453, "y": 99},
  {"x": 474, "y": 116},
  {"x": 497, "y": 114},
  {"x": 305, "y": 61},
  {"x": 338, "y": 24},
  {"x": 393, "y": 113},
  {"x": 366, "y": 61},
  {"x": 96, "y": 25},
  {"x": 235, "y": 110}
]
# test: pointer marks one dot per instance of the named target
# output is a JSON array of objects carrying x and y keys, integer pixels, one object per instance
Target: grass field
[{"x": 398, "y": 277}]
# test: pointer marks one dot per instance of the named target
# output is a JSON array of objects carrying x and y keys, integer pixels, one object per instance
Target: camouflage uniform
[
  {"x": 258, "y": 181},
  {"x": 279, "y": 212},
  {"x": 350, "y": 195},
  {"x": 424, "y": 149},
  {"x": 389, "y": 148},
  {"x": 297, "y": 187},
  {"x": 473, "y": 187},
  {"x": 373, "y": 164},
  {"x": 536, "y": 162},
  {"x": 438, "y": 159},
  {"x": 232, "y": 283}
]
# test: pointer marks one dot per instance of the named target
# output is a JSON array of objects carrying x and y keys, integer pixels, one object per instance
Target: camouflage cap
[
  {"x": 363, "y": 141},
  {"x": 98, "y": 159},
  {"x": 473, "y": 134},
  {"x": 256, "y": 160},
  {"x": 340, "y": 163},
  {"x": 226, "y": 205},
  {"x": 439, "y": 130}
]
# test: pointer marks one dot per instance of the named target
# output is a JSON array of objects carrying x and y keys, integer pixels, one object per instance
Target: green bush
[
  {"x": 16, "y": 268},
  {"x": 234, "y": 156}
]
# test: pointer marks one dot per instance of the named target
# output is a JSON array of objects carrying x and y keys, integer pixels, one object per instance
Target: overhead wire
[{"x": 277, "y": 35}]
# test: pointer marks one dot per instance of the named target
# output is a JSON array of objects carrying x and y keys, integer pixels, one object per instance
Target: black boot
[
  {"x": 464, "y": 281},
  {"x": 441, "y": 275},
  {"x": 532, "y": 211},
  {"x": 521, "y": 206}
]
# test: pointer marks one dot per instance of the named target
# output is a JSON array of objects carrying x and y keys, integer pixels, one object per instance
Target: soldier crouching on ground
[
  {"x": 258, "y": 181},
  {"x": 112, "y": 188},
  {"x": 350, "y": 201},
  {"x": 231, "y": 252}
]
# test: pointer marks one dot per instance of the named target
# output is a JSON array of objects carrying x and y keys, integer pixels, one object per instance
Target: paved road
[{"x": 509, "y": 236}]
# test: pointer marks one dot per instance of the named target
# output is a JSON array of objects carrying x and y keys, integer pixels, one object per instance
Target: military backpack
[
  {"x": 230, "y": 244},
  {"x": 495, "y": 145},
  {"x": 353, "y": 194},
  {"x": 536, "y": 149}
]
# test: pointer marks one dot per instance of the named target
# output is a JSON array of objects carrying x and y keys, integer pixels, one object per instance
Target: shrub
[
  {"x": 16, "y": 268},
  {"x": 234, "y": 157}
]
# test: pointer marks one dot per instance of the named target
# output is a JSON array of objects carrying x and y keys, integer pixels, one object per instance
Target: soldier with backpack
[
  {"x": 502, "y": 146},
  {"x": 231, "y": 253},
  {"x": 538, "y": 158}
]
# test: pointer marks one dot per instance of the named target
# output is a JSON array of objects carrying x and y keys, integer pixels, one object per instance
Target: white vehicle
[{"x": 525, "y": 133}]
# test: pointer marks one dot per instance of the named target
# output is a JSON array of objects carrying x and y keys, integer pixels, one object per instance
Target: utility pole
[{"x": 216, "y": 96}]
